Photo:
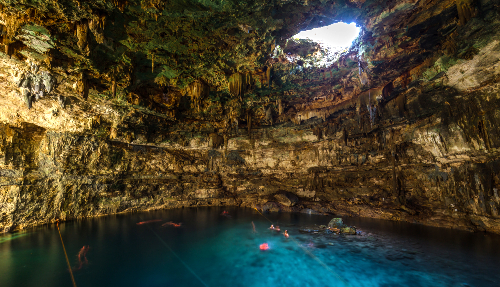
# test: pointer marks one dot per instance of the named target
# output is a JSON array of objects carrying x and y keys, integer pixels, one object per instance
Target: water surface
[{"x": 214, "y": 250}]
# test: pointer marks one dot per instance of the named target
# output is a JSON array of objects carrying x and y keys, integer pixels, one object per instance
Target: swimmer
[
  {"x": 311, "y": 244},
  {"x": 277, "y": 228},
  {"x": 272, "y": 227},
  {"x": 264, "y": 246},
  {"x": 149, "y": 221},
  {"x": 172, "y": 223},
  {"x": 82, "y": 257},
  {"x": 286, "y": 234}
]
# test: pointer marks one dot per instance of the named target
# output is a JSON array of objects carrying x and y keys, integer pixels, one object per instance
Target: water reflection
[{"x": 219, "y": 250}]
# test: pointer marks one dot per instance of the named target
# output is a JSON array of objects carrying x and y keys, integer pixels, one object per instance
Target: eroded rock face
[{"x": 186, "y": 107}]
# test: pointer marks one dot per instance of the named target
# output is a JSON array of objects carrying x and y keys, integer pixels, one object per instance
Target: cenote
[
  {"x": 213, "y": 249},
  {"x": 110, "y": 109}
]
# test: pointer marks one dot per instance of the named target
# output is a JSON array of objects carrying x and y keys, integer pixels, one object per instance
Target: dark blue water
[{"x": 214, "y": 250}]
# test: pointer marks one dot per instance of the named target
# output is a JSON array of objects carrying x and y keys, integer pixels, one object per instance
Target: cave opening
[
  {"x": 335, "y": 37},
  {"x": 320, "y": 47}
]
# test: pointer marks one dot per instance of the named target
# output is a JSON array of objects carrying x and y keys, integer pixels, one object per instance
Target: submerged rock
[
  {"x": 348, "y": 230},
  {"x": 336, "y": 225},
  {"x": 310, "y": 229}
]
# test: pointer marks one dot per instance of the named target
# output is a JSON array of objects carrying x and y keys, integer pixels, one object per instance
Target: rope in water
[
  {"x": 175, "y": 254},
  {"x": 314, "y": 257},
  {"x": 263, "y": 215},
  {"x": 66, "y": 255}
]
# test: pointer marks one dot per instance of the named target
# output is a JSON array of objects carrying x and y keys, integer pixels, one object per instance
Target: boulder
[
  {"x": 270, "y": 207},
  {"x": 286, "y": 199},
  {"x": 348, "y": 230},
  {"x": 336, "y": 223}
]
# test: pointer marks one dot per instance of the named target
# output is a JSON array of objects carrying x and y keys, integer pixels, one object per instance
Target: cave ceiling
[{"x": 200, "y": 65}]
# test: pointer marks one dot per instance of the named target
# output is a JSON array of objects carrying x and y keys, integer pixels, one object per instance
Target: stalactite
[
  {"x": 62, "y": 101},
  {"x": 393, "y": 162},
  {"x": 12, "y": 47},
  {"x": 450, "y": 113},
  {"x": 466, "y": 10},
  {"x": 280, "y": 107},
  {"x": 8, "y": 50},
  {"x": 318, "y": 132},
  {"x": 120, "y": 4},
  {"x": 269, "y": 115},
  {"x": 13, "y": 22},
  {"x": 27, "y": 97},
  {"x": 113, "y": 88},
  {"x": 82, "y": 86},
  {"x": 372, "y": 112},
  {"x": 96, "y": 25},
  {"x": 345, "y": 135},
  {"x": 484, "y": 134},
  {"x": 197, "y": 91},
  {"x": 238, "y": 83},
  {"x": 226, "y": 144},
  {"x": 249, "y": 122},
  {"x": 267, "y": 80},
  {"x": 152, "y": 63},
  {"x": 156, "y": 4},
  {"x": 358, "y": 112},
  {"x": 82, "y": 30}
]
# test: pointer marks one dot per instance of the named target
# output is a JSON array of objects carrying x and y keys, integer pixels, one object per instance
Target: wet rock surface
[{"x": 335, "y": 226}]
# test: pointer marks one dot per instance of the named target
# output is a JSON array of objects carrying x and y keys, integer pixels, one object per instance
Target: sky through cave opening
[
  {"x": 333, "y": 40},
  {"x": 334, "y": 37}
]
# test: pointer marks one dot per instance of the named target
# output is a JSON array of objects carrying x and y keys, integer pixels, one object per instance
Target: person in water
[
  {"x": 226, "y": 214},
  {"x": 172, "y": 223},
  {"x": 277, "y": 228},
  {"x": 82, "y": 257},
  {"x": 286, "y": 234},
  {"x": 272, "y": 227}
]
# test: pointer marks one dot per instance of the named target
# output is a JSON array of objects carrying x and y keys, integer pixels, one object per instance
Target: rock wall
[
  {"x": 439, "y": 168},
  {"x": 146, "y": 115}
]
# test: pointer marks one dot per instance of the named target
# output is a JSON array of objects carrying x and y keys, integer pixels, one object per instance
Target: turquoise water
[{"x": 213, "y": 250}]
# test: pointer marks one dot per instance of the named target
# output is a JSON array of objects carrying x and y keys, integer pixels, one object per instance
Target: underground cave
[{"x": 154, "y": 143}]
